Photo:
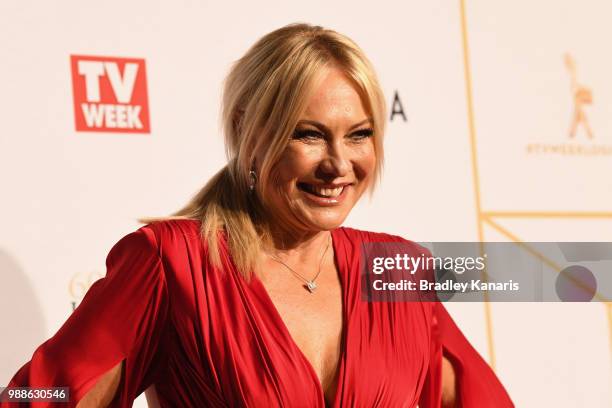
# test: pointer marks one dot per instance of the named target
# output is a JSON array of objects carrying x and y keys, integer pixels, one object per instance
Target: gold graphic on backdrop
[
  {"x": 582, "y": 97},
  {"x": 484, "y": 217}
]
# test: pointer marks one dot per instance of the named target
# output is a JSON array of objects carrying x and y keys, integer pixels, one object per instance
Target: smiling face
[{"x": 328, "y": 163}]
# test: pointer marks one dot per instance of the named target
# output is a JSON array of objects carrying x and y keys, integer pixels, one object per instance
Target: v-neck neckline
[{"x": 343, "y": 337}]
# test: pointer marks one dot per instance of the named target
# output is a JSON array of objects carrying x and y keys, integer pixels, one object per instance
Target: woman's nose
[{"x": 336, "y": 162}]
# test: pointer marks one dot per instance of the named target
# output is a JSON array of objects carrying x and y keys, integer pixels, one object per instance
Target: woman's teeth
[
  {"x": 329, "y": 192},
  {"x": 324, "y": 192}
]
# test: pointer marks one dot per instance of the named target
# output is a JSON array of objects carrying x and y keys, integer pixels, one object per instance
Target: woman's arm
[
  {"x": 104, "y": 391},
  {"x": 106, "y": 352},
  {"x": 448, "y": 384},
  {"x": 458, "y": 374}
]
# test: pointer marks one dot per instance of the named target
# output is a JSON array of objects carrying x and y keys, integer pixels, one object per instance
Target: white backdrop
[{"x": 479, "y": 82}]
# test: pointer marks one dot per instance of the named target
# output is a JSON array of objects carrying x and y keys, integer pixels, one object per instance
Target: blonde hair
[{"x": 264, "y": 95}]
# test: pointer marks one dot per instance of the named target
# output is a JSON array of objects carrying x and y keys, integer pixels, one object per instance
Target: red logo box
[{"x": 110, "y": 94}]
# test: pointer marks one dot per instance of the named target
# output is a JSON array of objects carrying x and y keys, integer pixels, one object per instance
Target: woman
[{"x": 250, "y": 296}]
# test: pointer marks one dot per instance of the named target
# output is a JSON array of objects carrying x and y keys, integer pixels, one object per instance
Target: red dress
[{"x": 207, "y": 338}]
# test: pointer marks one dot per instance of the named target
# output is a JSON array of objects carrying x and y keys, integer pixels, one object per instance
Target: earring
[{"x": 253, "y": 178}]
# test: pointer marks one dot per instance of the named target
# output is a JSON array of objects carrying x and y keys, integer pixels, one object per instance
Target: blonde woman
[{"x": 249, "y": 296}]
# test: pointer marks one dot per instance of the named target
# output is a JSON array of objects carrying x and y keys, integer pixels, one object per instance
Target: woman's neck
[{"x": 298, "y": 247}]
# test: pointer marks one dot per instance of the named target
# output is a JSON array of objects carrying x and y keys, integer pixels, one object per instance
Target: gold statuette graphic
[{"x": 582, "y": 96}]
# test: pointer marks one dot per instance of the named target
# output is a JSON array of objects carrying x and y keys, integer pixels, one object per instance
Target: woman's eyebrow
[{"x": 325, "y": 129}]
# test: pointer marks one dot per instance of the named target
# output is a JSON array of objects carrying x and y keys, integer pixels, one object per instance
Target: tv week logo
[{"x": 110, "y": 94}]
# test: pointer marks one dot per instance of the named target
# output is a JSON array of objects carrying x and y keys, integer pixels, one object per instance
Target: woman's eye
[
  {"x": 306, "y": 134},
  {"x": 362, "y": 134}
]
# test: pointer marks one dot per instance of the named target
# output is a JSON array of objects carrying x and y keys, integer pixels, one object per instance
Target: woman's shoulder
[
  {"x": 168, "y": 229},
  {"x": 166, "y": 238}
]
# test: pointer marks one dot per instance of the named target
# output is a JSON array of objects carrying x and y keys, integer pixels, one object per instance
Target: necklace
[{"x": 310, "y": 283}]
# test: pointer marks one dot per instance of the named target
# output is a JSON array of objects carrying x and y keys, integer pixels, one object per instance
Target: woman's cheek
[
  {"x": 365, "y": 157},
  {"x": 299, "y": 160}
]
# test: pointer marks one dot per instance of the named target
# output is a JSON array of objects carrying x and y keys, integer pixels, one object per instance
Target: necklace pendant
[{"x": 311, "y": 286}]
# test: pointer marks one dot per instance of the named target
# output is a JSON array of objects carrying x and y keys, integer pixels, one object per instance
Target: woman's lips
[{"x": 325, "y": 194}]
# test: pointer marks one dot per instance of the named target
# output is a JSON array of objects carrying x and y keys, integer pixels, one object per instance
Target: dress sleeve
[
  {"x": 121, "y": 318},
  {"x": 476, "y": 383}
]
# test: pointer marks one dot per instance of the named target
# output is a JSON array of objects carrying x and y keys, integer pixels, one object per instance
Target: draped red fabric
[{"x": 209, "y": 338}]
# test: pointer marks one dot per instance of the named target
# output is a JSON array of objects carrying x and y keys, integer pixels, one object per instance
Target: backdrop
[{"x": 499, "y": 129}]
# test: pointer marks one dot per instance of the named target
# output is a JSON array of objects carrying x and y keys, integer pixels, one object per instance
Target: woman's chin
[{"x": 325, "y": 222}]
